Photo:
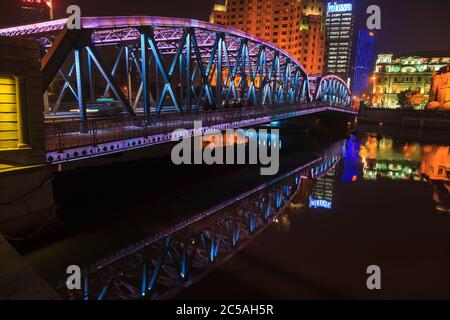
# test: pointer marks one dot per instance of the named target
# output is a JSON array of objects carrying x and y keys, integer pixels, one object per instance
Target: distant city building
[
  {"x": 440, "y": 89},
  {"x": 340, "y": 23},
  {"x": 295, "y": 26},
  {"x": 407, "y": 72},
  {"x": 363, "y": 63},
  {"x": 33, "y": 11},
  {"x": 312, "y": 37}
]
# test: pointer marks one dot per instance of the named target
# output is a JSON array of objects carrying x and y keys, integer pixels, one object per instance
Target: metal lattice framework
[
  {"x": 169, "y": 64},
  {"x": 163, "y": 264},
  {"x": 332, "y": 89}
]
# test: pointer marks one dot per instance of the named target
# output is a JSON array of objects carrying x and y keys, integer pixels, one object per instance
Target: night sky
[{"x": 407, "y": 25}]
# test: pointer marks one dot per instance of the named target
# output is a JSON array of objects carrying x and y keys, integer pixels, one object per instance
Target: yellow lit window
[{"x": 9, "y": 136}]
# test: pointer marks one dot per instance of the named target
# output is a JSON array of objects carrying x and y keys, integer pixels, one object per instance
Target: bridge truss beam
[{"x": 178, "y": 65}]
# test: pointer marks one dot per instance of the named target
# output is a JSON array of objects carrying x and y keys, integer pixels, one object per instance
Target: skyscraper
[
  {"x": 363, "y": 63},
  {"x": 340, "y": 21},
  {"x": 295, "y": 26},
  {"x": 33, "y": 11}
]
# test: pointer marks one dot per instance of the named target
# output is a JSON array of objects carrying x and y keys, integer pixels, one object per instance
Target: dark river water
[{"x": 338, "y": 205}]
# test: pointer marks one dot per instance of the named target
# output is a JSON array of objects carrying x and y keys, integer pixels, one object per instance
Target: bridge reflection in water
[{"x": 165, "y": 263}]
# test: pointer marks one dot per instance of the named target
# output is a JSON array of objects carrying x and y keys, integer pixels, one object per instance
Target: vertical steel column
[
  {"x": 180, "y": 84},
  {"x": 158, "y": 92},
  {"x": 262, "y": 86},
  {"x": 219, "y": 63},
  {"x": 129, "y": 67},
  {"x": 91, "y": 79},
  {"x": 287, "y": 79},
  {"x": 269, "y": 71},
  {"x": 275, "y": 77},
  {"x": 188, "y": 69},
  {"x": 243, "y": 71},
  {"x": 145, "y": 74},
  {"x": 81, "y": 94}
]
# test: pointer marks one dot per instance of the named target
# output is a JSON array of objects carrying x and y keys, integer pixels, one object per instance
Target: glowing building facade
[
  {"x": 340, "y": 22},
  {"x": 33, "y": 11},
  {"x": 312, "y": 37},
  {"x": 296, "y": 26},
  {"x": 408, "y": 72},
  {"x": 440, "y": 89}
]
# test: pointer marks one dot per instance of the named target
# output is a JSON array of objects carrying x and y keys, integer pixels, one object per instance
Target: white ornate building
[{"x": 409, "y": 72}]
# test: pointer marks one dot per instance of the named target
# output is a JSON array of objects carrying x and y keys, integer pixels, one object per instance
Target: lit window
[{"x": 9, "y": 137}]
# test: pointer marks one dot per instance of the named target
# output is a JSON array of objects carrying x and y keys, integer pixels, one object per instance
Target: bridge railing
[{"x": 61, "y": 135}]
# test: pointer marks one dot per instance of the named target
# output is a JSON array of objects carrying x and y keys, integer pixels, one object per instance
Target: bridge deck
[{"x": 70, "y": 140}]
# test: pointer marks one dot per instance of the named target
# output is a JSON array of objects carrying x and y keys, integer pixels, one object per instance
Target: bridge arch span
[
  {"x": 185, "y": 63},
  {"x": 333, "y": 90},
  {"x": 167, "y": 64}
]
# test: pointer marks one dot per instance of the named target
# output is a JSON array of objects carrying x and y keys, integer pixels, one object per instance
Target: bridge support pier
[
  {"x": 26, "y": 195},
  {"x": 26, "y": 202}
]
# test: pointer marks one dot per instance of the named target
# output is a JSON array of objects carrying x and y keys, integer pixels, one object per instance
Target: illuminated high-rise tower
[
  {"x": 340, "y": 22},
  {"x": 363, "y": 63},
  {"x": 33, "y": 11}
]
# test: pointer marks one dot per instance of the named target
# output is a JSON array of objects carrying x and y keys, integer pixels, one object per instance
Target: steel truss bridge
[
  {"x": 165, "y": 263},
  {"x": 161, "y": 74}
]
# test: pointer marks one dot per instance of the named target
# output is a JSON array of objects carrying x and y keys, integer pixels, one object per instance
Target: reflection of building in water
[
  {"x": 325, "y": 180},
  {"x": 382, "y": 159},
  {"x": 441, "y": 195},
  {"x": 436, "y": 167},
  {"x": 351, "y": 160},
  {"x": 436, "y": 162},
  {"x": 323, "y": 190},
  {"x": 391, "y": 169},
  {"x": 387, "y": 149}
]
